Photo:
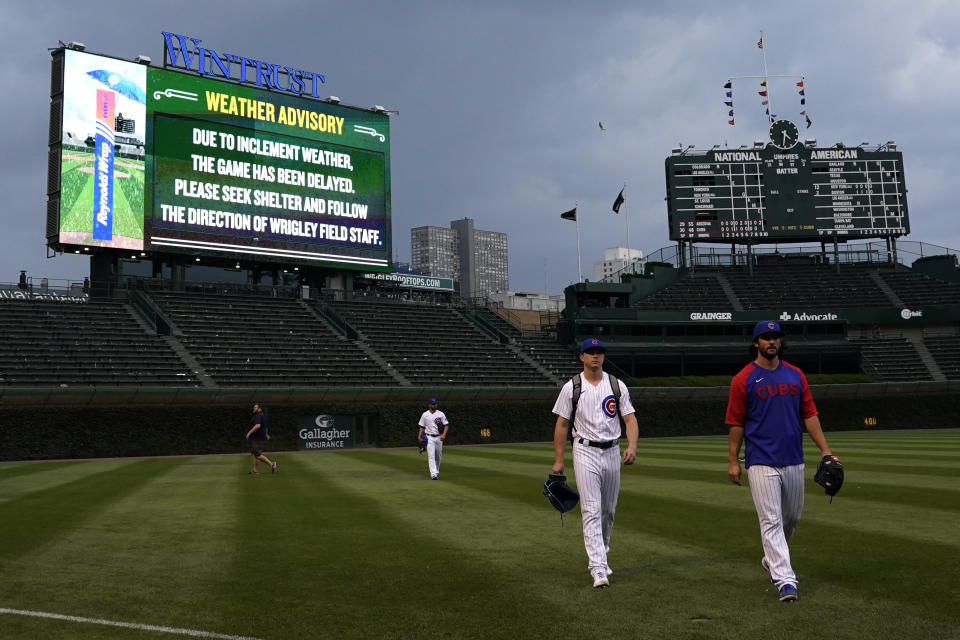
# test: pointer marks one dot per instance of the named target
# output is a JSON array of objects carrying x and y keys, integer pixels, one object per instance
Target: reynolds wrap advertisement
[
  {"x": 221, "y": 168},
  {"x": 102, "y": 168}
]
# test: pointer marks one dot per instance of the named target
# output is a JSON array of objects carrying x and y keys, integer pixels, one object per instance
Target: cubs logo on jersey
[
  {"x": 610, "y": 406},
  {"x": 439, "y": 422}
]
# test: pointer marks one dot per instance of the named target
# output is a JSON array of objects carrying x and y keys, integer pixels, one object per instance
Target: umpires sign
[{"x": 326, "y": 432}]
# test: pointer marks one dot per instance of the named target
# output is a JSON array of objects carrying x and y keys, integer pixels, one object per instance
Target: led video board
[
  {"x": 164, "y": 161},
  {"x": 794, "y": 194}
]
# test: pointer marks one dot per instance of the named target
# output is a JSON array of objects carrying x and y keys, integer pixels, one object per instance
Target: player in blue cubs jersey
[{"x": 770, "y": 407}]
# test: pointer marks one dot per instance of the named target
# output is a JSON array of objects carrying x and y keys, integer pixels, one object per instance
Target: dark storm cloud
[{"x": 499, "y": 102}]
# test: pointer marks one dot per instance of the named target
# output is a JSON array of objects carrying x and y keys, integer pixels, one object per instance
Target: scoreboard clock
[{"x": 786, "y": 191}]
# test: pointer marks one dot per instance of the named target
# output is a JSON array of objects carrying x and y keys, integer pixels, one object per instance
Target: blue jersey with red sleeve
[{"x": 771, "y": 405}]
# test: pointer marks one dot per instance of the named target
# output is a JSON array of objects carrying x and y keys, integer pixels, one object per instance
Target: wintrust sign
[{"x": 184, "y": 52}]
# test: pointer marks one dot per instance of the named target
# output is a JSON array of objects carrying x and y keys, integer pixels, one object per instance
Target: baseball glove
[
  {"x": 560, "y": 495},
  {"x": 829, "y": 475},
  {"x": 423, "y": 444}
]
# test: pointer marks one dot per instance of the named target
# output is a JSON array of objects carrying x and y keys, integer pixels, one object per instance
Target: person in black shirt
[{"x": 258, "y": 437}]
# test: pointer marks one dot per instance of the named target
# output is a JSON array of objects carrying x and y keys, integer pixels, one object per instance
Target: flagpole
[
  {"x": 576, "y": 219},
  {"x": 766, "y": 85},
  {"x": 626, "y": 219}
]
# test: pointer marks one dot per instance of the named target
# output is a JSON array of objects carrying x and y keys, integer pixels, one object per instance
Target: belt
[
  {"x": 431, "y": 435},
  {"x": 599, "y": 444}
]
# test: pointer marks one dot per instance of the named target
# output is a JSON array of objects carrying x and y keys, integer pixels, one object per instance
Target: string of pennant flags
[
  {"x": 764, "y": 93},
  {"x": 765, "y": 101}
]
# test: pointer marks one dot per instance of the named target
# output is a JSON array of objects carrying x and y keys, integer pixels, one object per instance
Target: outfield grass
[{"x": 361, "y": 544}]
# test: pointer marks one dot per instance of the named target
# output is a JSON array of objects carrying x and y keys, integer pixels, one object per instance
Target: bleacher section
[
  {"x": 946, "y": 351},
  {"x": 693, "y": 292},
  {"x": 919, "y": 290},
  {"x": 806, "y": 286},
  {"x": 95, "y": 344},
  {"x": 434, "y": 345},
  {"x": 891, "y": 359},
  {"x": 253, "y": 341},
  {"x": 559, "y": 360}
]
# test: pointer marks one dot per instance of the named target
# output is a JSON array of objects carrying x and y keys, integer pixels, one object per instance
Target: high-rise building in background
[
  {"x": 477, "y": 260},
  {"x": 614, "y": 261},
  {"x": 433, "y": 252}
]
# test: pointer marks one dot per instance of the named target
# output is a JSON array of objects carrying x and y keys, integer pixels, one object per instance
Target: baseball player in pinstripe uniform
[
  {"x": 434, "y": 425},
  {"x": 596, "y": 451},
  {"x": 770, "y": 407}
]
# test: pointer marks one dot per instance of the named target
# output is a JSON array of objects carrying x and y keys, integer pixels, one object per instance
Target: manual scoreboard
[{"x": 786, "y": 191}]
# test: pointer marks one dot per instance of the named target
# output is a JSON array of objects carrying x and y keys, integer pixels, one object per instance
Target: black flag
[
  {"x": 618, "y": 202},
  {"x": 570, "y": 215}
]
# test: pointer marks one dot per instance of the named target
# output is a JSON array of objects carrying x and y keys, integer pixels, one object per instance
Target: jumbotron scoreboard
[
  {"x": 786, "y": 191},
  {"x": 214, "y": 158}
]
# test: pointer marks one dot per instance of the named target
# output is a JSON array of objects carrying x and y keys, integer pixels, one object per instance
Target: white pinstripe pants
[
  {"x": 434, "y": 454},
  {"x": 598, "y": 481},
  {"x": 778, "y": 496}
]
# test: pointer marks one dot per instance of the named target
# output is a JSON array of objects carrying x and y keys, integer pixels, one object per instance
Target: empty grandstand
[
  {"x": 845, "y": 312},
  {"x": 257, "y": 340},
  {"x": 858, "y": 314},
  {"x": 438, "y": 345},
  {"x": 56, "y": 344}
]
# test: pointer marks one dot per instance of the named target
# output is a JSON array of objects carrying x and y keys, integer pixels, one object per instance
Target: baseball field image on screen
[{"x": 102, "y": 158}]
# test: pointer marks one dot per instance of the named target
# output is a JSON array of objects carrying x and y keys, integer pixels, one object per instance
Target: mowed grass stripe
[
  {"x": 41, "y": 476},
  {"x": 673, "y": 516},
  {"x": 40, "y": 517},
  {"x": 360, "y": 552},
  {"x": 154, "y": 555},
  {"x": 696, "y": 482},
  {"x": 735, "y": 533},
  {"x": 716, "y": 473},
  {"x": 640, "y": 594}
]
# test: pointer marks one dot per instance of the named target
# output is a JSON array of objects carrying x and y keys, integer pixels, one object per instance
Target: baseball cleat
[
  {"x": 273, "y": 468},
  {"x": 253, "y": 473},
  {"x": 600, "y": 581},
  {"x": 788, "y": 593},
  {"x": 433, "y": 477}
]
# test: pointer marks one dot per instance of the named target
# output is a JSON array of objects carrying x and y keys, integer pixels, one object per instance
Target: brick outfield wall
[{"x": 49, "y": 431}]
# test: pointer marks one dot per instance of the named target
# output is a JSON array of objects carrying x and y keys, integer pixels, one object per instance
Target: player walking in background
[
  {"x": 433, "y": 425},
  {"x": 596, "y": 451},
  {"x": 258, "y": 437},
  {"x": 770, "y": 407}
]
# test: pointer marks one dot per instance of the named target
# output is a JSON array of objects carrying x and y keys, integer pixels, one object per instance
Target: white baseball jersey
[
  {"x": 596, "y": 409},
  {"x": 597, "y": 470},
  {"x": 433, "y": 423}
]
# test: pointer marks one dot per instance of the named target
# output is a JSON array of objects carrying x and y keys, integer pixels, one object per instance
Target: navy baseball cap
[
  {"x": 767, "y": 326},
  {"x": 431, "y": 401},
  {"x": 592, "y": 343}
]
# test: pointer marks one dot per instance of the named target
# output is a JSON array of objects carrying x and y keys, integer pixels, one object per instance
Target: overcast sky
[{"x": 499, "y": 102}]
